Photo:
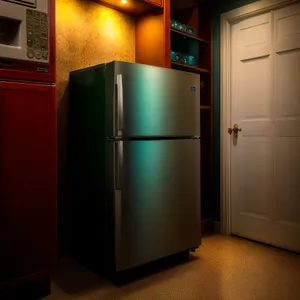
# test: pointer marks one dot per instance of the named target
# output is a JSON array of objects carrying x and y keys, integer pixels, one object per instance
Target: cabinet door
[
  {"x": 27, "y": 179},
  {"x": 155, "y": 2}
]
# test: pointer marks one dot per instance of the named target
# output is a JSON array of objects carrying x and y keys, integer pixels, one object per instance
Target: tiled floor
[{"x": 223, "y": 268}]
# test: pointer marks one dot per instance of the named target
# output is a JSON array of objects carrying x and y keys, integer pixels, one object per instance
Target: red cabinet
[{"x": 27, "y": 181}]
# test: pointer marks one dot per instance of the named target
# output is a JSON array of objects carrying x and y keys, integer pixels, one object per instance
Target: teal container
[
  {"x": 182, "y": 27},
  {"x": 178, "y": 26},
  {"x": 191, "y": 31},
  {"x": 173, "y": 55},
  {"x": 191, "y": 60},
  {"x": 183, "y": 58}
]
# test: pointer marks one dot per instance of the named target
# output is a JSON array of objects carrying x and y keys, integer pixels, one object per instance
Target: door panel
[
  {"x": 287, "y": 87},
  {"x": 251, "y": 151},
  {"x": 157, "y": 205},
  {"x": 254, "y": 88},
  {"x": 27, "y": 179},
  {"x": 287, "y": 188},
  {"x": 265, "y": 154},
  {"x": 287, "y": 29},
  {"x": 287, "y": 127},
  {"x": 254, "y": 37},
  {"x": 156, "y": 101},
  {"x": 251, "y": 216}
]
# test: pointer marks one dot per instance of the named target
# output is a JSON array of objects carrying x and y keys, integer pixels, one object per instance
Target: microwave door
[{"x": 24, "y": 31}]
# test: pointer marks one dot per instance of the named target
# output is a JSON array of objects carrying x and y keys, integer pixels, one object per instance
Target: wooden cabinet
[
  {"x": 154, "y": 41},
  {"x": 198, "y": 15},
  {"x": 134, "y": 7},
  {"x": 152, "y": 37},
  {"x": 27, "y": 182},
  {"x": 155, "y": 2}
]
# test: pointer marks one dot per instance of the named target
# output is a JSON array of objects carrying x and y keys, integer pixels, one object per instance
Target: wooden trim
[
  {"x": 213, "y": 206},
  {"x": 167, "y": 33},
  {"x": 154, "y": 3},
  {"x": 189, "y": 68},
  {"x": 225, "y": 100},
  {"x": 190, "y": 36},
  {"x": 253, "y": 9},
  {"x": 52, "y": 7}
]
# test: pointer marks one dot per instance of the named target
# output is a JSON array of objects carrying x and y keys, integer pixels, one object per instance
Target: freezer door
[
  {"x": 157, "y": 199},
  {"x": 153, "y": 101}
]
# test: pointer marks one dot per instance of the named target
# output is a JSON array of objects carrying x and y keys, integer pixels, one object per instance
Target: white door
[{"x": 265, "y": 154}]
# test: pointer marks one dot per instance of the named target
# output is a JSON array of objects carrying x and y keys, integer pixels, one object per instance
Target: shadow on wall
[{"x": 87, "y": 34}]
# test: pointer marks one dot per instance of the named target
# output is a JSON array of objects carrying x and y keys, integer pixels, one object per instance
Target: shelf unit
[
  {"x": 190, "y": 36},
  {"x": 198, "y": 15},
  {"x": 180, "y": 66},
  {"x": 154, "y": 40},
  {"x": 204, "y": 107}
]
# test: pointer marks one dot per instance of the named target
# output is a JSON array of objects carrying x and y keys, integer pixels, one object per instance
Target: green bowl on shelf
[
  {"x": 182, "y": 58},
  {"x": 178, "y": 26},
  {"x": 182, "y": 27},
  {"x": 191, "y": 31}
]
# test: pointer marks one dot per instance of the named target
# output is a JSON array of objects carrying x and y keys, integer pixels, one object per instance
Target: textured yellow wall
[{"x": 86, "y": 34}]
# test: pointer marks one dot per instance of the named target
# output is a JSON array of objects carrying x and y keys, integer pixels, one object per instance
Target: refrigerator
[{"x": 134, "y": 164}]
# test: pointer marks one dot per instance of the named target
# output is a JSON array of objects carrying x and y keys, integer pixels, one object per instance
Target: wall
[
  {"x": 86, "y": 34},
  {"x": 219, "y": 8}
]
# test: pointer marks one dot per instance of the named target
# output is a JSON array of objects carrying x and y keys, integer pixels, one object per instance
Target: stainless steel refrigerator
[{"x": 134, "y": 164}]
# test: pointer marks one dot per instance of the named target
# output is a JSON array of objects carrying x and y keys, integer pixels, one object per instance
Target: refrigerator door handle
[
  {"x": 119, "y": 116},
  {"x": 118, "y": 165}
]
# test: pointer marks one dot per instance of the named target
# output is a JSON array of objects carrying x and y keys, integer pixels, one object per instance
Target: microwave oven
[{"x": 24, "y": 30}]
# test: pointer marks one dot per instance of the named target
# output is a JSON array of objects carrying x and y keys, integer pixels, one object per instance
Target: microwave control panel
[{"x": 37, "y": 35}]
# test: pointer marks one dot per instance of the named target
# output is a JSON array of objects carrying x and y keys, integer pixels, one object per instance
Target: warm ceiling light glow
[{"x": 124, "y": 1}]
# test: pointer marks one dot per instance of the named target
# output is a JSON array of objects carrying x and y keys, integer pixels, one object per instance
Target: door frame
[{"x": 227, "y": 19}]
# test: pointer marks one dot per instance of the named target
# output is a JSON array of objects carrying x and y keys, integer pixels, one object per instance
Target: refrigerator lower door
[
  {"x": 153, "y": 101},
  {"x": 157, "y": 199}
]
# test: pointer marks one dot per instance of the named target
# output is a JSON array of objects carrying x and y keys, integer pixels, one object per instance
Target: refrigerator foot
[{"x": 194, "y": 249}]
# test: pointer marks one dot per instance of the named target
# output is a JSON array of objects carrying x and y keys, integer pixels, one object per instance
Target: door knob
[{"x": 235, "y": 129}]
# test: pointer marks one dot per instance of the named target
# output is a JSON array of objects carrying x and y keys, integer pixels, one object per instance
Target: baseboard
[{"x": 30, "y": 291}]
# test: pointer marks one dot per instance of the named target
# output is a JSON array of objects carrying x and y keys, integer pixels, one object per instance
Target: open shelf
[
  {"x": 190, "y": 36},
  {"x": 179, "y": 66},
  {"x": 205, "y": 107},
  {"x": 198, "y": 15},
  {"x": 180, "y": 5}
]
